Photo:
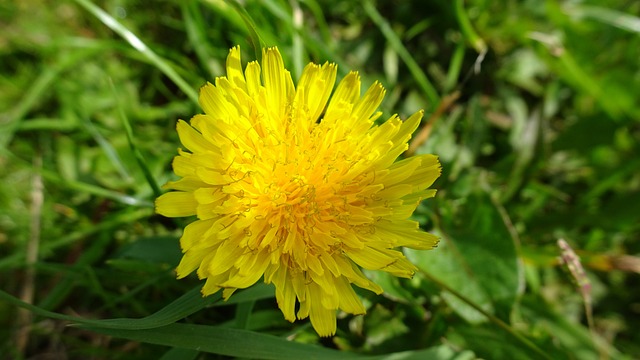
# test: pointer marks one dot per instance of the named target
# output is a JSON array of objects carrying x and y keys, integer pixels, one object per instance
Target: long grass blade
[
  {"x": 420, "y": 77},
  {"x": 141, "y": 47}
]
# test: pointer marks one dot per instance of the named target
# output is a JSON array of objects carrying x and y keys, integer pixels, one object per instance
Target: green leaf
[
  {"x": 476, "y": 257},
  {"x": 184, "y": 306},
  {"x": 396, "y": 43},
  {"x": 133, "y": 40},
  {"x": 447, "y": 264},
  {"x": 225, "y": 341},
  {"x": 248, "y": 344}
]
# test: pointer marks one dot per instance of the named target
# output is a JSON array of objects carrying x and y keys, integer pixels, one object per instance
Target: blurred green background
[{"x": 532, "y": 106}]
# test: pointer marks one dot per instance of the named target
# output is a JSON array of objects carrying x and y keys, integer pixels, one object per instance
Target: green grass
[{"x": 532, "y": 108}]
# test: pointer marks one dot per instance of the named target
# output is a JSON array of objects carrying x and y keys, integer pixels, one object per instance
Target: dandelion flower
[{"x": 297, "y": 186}]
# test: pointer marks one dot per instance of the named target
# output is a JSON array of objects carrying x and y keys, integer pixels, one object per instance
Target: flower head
[{"x": 297, "y": 186}]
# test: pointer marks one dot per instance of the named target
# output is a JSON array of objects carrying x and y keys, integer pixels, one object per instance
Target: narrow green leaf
[
  {"x": 142, "y": 163},
  {"x": 108, "y": 149},
  {"x": 455, "y": 66},
  {"x": 253, "y": 345},
  {"x": 162, "y": 64},
  {"x": 184, "y": 306},
  {"x": 226, "y": 341},
  {"x": 467, "y": 29},
  {"x": 395, "y": 42},
  {"x": 254, "y": 33},
  {"x": 195, "y": 27}
]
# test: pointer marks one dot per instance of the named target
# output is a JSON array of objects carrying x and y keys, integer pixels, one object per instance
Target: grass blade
[
  {"x": 393, "y": 39},
  {"x": 227, "y": 341},
  {"x": 141, "y": 47},
  {"x": 132, "y": 145},
  {"x": 182, "y": 307}
]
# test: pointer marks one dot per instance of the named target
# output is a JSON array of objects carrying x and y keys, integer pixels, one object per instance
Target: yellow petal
[
  {"x": 349, "y": 301},
  {"x": 275, "y": 81},
  {"x": 427, "y": 173},
  {"x": 176, "y": 204},
  {"x": 191, "y": 138},
  {"x": 285, "y": 294},
  {"x": 187, "y": 183},
  {"x": 252, "y": 74},
  {"x": 210, "y": 287},
  {"x": 400, "y": 171},
  {"x": 314, "y": 89},
  {"x": 373, "y": 258},
  {"x": 249, "y": 276},
  {"x": 227, "y": 292},
  {"x": 408, "y": 127},
  {"x": 213, "y": 102},
  {"x": 322, "y": 319},
  {"x": 407, "y": 234},
  {"x": 194, "y": 233},
  {"x": 347, "y": 92},
  {"x": 371, "y": 100},
  {"x": 189, "y": 262},
  {"x": 234, "y": 68}
]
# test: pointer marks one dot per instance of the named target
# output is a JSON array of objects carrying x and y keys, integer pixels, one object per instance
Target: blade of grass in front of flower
[
  {"x": 321, "y": 49},
  {"x": 419, "y": 76},
  {"x": 254, "y": 34},
  {"x": 227, "y": 341},
  {"x": 449, "y": 266},
  {"x": 142, "y": 163},
  {"x": 247, "y": 344},
  {"x": 182, "y": 307},
  {"x": 256, "y": 292},
  {"x": 315, "y": 46},
  {"x": 133, "y": 40},
  {"x": 190, "y": 303}
]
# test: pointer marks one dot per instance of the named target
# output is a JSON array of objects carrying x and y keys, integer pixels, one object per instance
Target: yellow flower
[{"x": 298, "y": 186}]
